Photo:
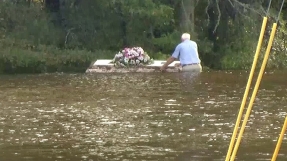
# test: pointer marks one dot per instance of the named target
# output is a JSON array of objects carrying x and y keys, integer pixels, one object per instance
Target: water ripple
[{"x": 140, "y": 117}]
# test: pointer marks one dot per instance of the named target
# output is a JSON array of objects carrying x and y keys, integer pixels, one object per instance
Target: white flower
[
  {"x": 140, "y": 51},
  {"x": 126, "y": 60},
  {"x": 137, "y": 61},
  {"x": 119, "y": 55},
  {"x": 129, "y": 52},
  {"x": 133, "y": 53},
  {"x": 137, "y": 54},
  {"x": 140, "y": 58},
  {"x": 132, "y": 62}
]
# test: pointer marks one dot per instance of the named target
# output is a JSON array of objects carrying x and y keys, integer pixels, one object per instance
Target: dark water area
[{"x": 137, "y": 117}]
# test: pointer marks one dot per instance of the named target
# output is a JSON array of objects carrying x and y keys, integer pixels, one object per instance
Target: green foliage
[
  {"x": 30, "y": 23},
  {"x": 167, "y": 42},
  {"x": 159, "y": 56},
  {"x": 36, "y": 40},
  {"x": 239, "y": 52},
  {"x": 22, "y": 57}
]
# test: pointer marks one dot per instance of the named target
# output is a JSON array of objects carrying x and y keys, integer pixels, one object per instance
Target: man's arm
[
  {"x": 171, "y": 58},
  {"x": 197, "y": 50},
  {"x": 168, "y": 61}
]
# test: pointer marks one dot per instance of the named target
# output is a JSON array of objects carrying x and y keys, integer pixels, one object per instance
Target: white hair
[{"x": 185, "y": 36}]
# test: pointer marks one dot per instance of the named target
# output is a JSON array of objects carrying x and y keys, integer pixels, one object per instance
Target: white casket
[{"x": 107, "y": 66}]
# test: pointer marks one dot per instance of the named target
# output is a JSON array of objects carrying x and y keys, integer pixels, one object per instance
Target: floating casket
[
  {"x": 107, "y": 66},
  {"x": 133, "y": 59}
]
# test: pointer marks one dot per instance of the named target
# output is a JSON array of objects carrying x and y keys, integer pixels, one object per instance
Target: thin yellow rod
[
  {"x": 279, "y": 142},
  {"x": 247, "y": 88},
  {"x": 255, "y": 90}
]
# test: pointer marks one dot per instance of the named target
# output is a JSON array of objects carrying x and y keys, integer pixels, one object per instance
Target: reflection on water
[{"x": 107, "y": 117}]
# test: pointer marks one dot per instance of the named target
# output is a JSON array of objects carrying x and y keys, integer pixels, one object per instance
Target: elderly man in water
[{"x": 186, "y": 52}]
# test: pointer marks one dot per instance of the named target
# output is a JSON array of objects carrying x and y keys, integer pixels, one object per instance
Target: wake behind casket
[{"x": 107, "y": 66}]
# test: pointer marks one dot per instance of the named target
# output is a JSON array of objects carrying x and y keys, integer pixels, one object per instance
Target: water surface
[{"x": 137, "y": 117}]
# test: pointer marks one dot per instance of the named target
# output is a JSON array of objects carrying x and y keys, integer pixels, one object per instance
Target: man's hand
[
  {"x": 168, "y": 61},
  {"x": 177, "y": 65},
  {"x": 162, "y": 68}
]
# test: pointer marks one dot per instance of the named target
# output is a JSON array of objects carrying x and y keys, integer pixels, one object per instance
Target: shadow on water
[{"x": 137, "y": 116}]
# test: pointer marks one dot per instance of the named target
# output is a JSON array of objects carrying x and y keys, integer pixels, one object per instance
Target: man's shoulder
[
  {"x": 193, "y": 42},
  {"x": 179, "y": 45},
  {"x": 188, "y": 41}
]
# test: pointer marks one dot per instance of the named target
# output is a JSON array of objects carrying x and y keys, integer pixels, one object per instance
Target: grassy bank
[{"x": 23, "y": 57}]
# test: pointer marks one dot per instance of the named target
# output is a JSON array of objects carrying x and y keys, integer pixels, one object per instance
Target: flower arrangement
[{"x": 134, "y": 56}]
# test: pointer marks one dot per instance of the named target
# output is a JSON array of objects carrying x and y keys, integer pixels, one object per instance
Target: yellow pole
[
  {"x": 247, "y": 88},
  {"x": 279, "y": 140},
  {"x": 255, "y": 90}
]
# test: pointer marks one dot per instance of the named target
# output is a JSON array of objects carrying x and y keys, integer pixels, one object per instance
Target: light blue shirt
[{"x": 186, "y": 52}]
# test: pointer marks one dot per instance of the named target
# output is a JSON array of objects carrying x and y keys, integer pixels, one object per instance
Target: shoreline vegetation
[{"x": 67, "y": 36}]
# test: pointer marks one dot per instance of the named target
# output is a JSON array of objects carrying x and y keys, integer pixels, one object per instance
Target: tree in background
[{"x": 226, "y": 30}]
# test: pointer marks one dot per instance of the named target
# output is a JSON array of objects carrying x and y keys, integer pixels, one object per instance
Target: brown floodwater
[{"x": 137, "y": 117}]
